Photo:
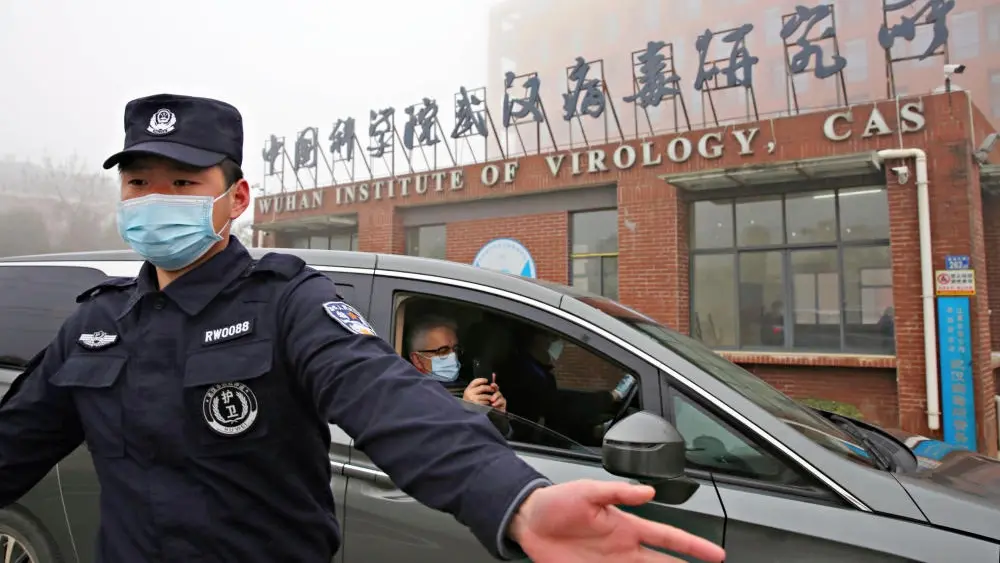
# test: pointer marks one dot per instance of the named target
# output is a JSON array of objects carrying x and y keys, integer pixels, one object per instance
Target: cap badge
[{"x": 162, "y": 122}]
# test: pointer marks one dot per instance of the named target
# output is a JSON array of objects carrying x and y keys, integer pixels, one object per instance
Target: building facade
[
  {"x": 782, "y": 244},
  {"x": 546, "y": 36}
]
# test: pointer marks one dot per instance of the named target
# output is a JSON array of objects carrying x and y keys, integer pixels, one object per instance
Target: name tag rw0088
[{"x": 228, "y": 332}]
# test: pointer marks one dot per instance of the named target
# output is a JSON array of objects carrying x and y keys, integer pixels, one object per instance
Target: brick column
[
  {"x": 956, "y": 228},
  {"x": 380, "y": 229},
  {"x": 991, "y": 237},
  {"x": 652, "y": 243}
]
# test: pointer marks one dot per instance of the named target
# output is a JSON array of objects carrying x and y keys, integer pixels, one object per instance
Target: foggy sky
[{"x": 70, "y": 66}]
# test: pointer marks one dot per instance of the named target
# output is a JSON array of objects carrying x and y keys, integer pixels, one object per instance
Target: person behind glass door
[{"x": 772, "y": 326}]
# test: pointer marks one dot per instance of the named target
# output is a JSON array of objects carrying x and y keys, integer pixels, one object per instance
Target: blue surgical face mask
[
  {"x": 445, "y": 368},
  {"x": 169, "y": 231},
  {"x": 555, "y": 349}
]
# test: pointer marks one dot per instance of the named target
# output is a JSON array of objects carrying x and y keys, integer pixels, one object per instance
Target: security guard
[{"x": 203, "y": 388}]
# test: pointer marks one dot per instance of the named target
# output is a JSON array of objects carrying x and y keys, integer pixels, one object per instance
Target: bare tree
[{"x": 243, "y": 230}]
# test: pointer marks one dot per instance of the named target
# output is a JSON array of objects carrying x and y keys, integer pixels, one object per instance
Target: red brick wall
[
  {"x": 991, "y": 238},
  {"x": 581, "y": 370},
  {"x": 873, "y": 392},
  {"x": 545, "y": 236}
]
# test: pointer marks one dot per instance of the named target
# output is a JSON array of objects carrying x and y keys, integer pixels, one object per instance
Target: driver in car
[{"x": 529, "y": 379}]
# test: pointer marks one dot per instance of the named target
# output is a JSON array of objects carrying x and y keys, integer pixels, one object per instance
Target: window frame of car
[
  {"x": 387, "y": 290},
  {"x": 812, "y": 489}
]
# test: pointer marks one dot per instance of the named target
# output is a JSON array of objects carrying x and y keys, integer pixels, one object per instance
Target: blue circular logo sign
[{"x": 507, "y": 256}]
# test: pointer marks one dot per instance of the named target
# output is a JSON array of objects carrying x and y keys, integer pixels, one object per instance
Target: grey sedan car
[{"x": 733, "y": 459}]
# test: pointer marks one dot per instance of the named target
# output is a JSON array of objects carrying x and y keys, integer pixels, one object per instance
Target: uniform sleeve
[
  {"x": 429, "y": 445},
  {"x": 39, "y": 426}
]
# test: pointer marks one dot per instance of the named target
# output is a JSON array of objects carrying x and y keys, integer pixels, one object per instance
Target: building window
[
  {"x": 993, "y": 26},
  {"x": 427, "y": 241},
  {"x": 995, "y": 93},
  {"x": 772, "y": 26},
  {"x": 964, "y": 29},
  {"x": 807, "y": 271},
  {"x": 856, "y": 53},
  {"x": 347, "y": 240},
  {"x": 593, "y": 243}
]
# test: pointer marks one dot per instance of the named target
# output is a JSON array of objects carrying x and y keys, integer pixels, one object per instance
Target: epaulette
[
  {"x": 285, "y": 266},
  {"x": 108, "y": 284}
]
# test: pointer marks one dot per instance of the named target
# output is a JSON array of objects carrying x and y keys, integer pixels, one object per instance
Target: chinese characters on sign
[
  {"x": 955, "y": 283},
  {"x": 739, "y": 68},
  {"x": 957, "y": 397},
  {"x": 933, "y": 12},
  {"x": 656, "y": 82},
  {"x": 810, "y": 50},
  {"x": 809, "y": 34}
]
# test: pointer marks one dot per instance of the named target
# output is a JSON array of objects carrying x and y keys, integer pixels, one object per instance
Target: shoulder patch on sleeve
[
  {"x": 106, "y": 285},
  {"x": 285, "y": 266},
  {"x": 348, "y": 317}
]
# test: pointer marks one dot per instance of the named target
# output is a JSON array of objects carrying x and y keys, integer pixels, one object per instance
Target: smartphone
[{"x": 482, "y": 370}]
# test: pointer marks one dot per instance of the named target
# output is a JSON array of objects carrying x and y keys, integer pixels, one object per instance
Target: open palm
[{"x": 578, "y": 522}]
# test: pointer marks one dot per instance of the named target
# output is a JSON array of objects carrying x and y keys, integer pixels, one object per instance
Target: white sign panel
[{"x": 507, "y": 256}]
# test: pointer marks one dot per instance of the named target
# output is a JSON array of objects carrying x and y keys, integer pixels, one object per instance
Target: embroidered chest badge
[
  {"x": 348, "y": 317},
  {"x": 230, "y": 409},
  {"x": 97, "y": 340}
]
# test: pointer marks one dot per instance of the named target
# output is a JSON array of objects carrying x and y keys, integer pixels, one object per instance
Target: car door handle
[{"x": 373, "y": 476}]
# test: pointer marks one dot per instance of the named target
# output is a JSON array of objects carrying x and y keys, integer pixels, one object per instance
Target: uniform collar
[{"x": 197, "y": 288}]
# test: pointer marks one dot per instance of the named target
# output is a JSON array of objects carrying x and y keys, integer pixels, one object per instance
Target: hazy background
[{"x": 69, "y": 68}]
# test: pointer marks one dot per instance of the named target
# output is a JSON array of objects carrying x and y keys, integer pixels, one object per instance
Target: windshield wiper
[{"x": 878, "y": 457}]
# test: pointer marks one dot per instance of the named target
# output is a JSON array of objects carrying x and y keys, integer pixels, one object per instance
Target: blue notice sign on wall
[
  {"x": 957, "y": 398},
  {"x": 508, "y": 256},
  {"x": 956, "y": 262}
]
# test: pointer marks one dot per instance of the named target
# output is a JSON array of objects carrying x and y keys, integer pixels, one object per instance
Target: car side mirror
[{"x": 647, "y": 448}]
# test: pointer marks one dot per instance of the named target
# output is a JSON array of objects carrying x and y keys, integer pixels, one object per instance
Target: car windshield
[{"x": 801, "y": 418}]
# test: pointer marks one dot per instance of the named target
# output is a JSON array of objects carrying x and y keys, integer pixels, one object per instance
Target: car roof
[{"x": 544, "y": 291}]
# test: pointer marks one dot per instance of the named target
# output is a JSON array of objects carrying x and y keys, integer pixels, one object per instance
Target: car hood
[{"x": 954, "y": 487}]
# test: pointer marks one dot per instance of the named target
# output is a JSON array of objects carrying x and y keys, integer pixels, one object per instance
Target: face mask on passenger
[
  {"x": 445, "y": 368},
  {"x": 555, "y": 349}
]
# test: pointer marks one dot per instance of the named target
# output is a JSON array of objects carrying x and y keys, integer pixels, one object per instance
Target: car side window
[
  {"x": 34, "y": 303},
  {"x": 715, "y": 446},
  {"x": 559, "y": 393}
]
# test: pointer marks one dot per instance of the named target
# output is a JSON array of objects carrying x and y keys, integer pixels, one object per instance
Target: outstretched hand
[{"x": 578, "y": 521}]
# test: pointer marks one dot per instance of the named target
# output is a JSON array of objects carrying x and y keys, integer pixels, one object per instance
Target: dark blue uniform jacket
[{"x": 205, "y": 407}]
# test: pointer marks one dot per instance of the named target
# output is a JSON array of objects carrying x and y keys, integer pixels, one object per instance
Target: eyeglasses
[{"x": 442, "y": 351}]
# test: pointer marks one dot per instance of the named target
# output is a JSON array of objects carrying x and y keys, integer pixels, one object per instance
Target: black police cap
[{"x": 199, "y": 132}]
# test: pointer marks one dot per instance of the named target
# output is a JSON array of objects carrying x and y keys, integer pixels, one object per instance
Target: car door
[
  {"x": 385, "y": 524},
  {"x": 34, "y": 302},
  {"x": 355, "y": 289},
  {"x": 774, "y": 513}
]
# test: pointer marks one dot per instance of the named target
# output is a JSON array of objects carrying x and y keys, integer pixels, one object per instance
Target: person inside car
[
  {"x": 434, "y": 350},
  {"x": 528, "y": 378}
]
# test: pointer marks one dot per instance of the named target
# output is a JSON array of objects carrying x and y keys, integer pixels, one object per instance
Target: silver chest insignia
[
  {"x": 97, "y": 340},
  {"x": 230, "y": 409}
]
